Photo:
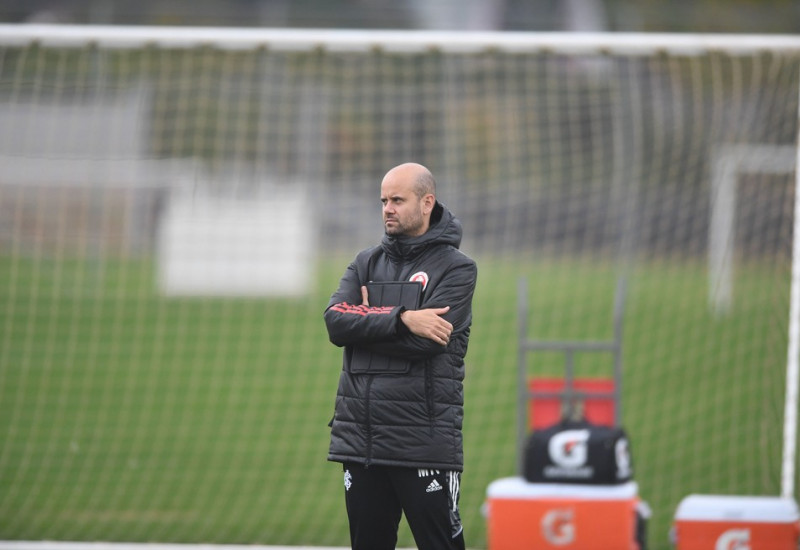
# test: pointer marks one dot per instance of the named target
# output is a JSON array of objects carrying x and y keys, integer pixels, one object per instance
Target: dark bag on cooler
[{"x": 575, "y": 451}]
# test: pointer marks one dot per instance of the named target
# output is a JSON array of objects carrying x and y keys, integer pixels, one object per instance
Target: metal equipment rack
[{"x": 570, "y": 397}]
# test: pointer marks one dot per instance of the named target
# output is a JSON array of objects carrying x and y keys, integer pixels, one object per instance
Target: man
[{"x": 399, "y": 405}]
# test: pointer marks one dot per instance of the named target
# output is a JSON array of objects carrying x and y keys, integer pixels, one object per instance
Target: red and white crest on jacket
[{"x": 420, "y": 277}]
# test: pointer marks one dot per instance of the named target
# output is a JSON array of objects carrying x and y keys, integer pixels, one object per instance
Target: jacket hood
[{"x": 445, "y": 228}]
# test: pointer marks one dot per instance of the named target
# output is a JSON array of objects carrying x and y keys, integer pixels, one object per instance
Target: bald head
[
  {"x": 421, "y": 178},
  {"x": 408, "y": 194}
]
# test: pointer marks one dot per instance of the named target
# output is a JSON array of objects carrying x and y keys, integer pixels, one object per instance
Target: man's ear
[{"x": 428, "y": 202}]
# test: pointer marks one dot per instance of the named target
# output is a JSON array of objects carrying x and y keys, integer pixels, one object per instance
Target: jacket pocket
[{"x": 369, "y": 362}]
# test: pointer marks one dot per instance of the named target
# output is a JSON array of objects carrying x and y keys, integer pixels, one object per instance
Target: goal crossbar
[{"x": 401, "y": 41}]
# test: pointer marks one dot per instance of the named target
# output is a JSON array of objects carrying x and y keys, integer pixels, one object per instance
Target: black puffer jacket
[{"x": 412, "y": 419}]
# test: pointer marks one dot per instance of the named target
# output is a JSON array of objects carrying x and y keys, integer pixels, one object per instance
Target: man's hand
[{"x": 428, "y": 323}]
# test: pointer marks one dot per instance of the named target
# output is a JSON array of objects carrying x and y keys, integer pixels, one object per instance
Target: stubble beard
[{"x": 411, "y": 227}]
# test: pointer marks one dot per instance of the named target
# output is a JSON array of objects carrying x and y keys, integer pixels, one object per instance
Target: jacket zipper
[
  {"x": 428, "y": 375},
  {"x": 368, "y": 414}
]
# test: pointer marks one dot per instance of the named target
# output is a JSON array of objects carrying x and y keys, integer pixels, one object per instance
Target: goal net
[{"x": 177, "y": 206}]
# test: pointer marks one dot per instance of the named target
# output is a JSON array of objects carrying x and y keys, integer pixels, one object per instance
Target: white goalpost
[
  {"x": 727, "y": 164},
  {"x": 788, "y": 466},
  {"x": 177, "y": 204}
]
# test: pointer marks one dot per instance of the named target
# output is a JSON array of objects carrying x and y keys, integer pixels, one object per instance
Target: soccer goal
[{"x": 178, "y": 204}]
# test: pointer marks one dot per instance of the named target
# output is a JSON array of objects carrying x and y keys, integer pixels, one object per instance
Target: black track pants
[{"x": 376, "y": 497}]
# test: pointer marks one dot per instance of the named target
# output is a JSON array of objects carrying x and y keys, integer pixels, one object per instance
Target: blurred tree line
[{"x": 732, "y": 16}]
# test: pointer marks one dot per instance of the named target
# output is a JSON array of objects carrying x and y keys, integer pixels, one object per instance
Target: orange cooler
[
  {"x": 561, "y": 516},
  {"x": 712, "y": 522}
]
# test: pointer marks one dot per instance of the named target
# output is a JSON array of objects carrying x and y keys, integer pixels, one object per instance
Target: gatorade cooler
[
  {"x": 710, "y": 522},
  {"x": 561, "y": 516}
]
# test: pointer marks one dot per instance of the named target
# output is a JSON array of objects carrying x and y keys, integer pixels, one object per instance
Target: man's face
[{"x": 402, "y": 209}]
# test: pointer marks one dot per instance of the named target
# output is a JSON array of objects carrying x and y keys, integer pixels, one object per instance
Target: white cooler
[{"x": 714, "y": 522}]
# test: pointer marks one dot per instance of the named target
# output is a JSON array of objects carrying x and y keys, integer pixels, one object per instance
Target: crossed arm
[
  {"x": 394, "y": 331},
  {"x": 427, "y": 323}
]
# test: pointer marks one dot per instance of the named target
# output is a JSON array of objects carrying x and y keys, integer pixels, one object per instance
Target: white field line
[{"x": 59, "y": 545}]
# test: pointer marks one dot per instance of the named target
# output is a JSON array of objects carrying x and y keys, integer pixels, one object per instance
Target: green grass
[{"x": 126, "y": 416}]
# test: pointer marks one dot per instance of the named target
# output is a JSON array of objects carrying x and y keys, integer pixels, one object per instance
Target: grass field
[{"x": 126, "y": 416}]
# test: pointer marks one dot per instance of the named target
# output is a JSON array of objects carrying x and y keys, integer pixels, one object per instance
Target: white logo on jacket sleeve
[{"x": 420, "y": 277}]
